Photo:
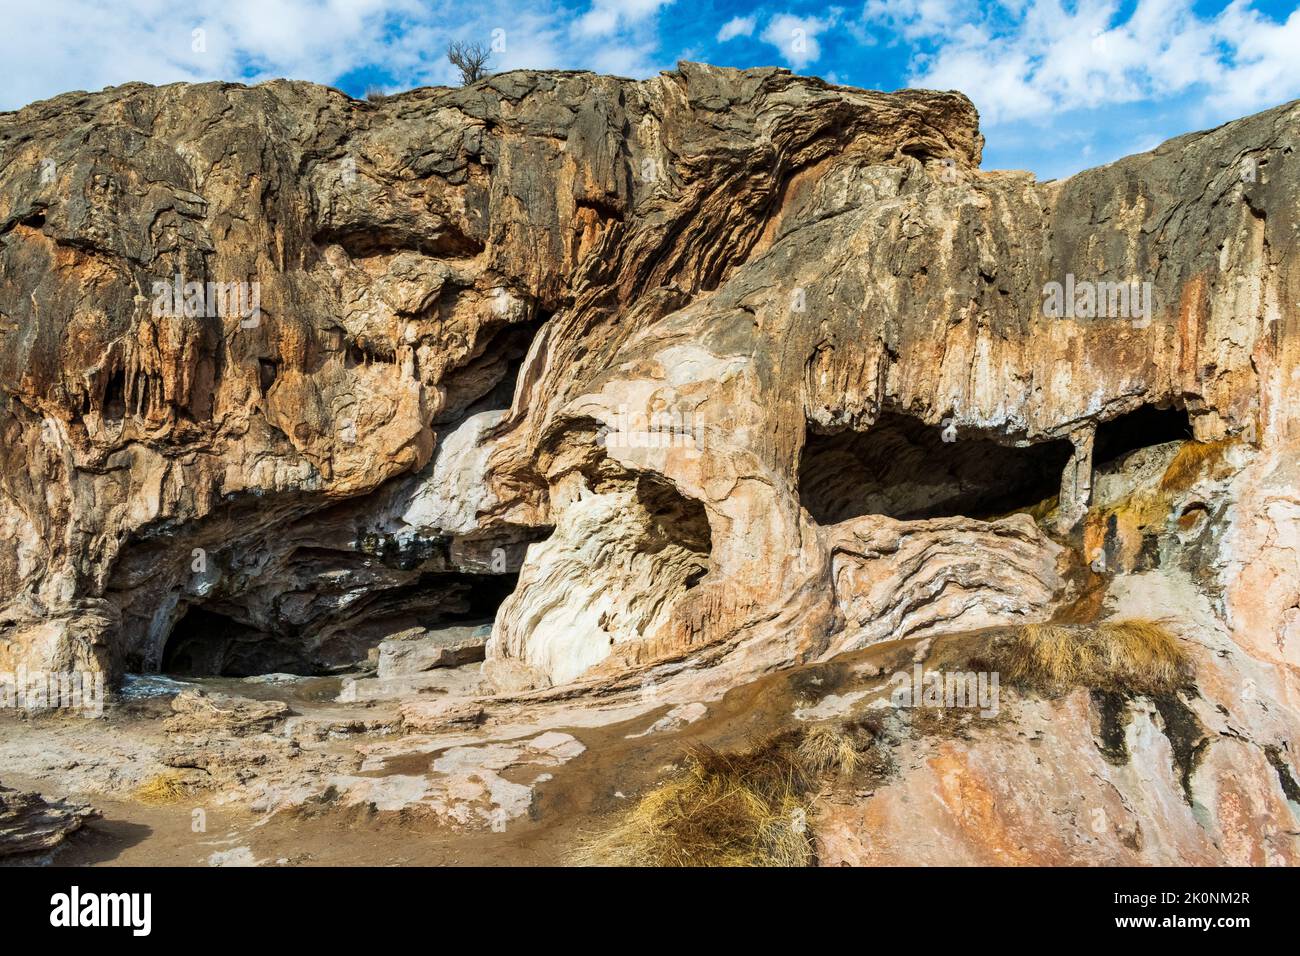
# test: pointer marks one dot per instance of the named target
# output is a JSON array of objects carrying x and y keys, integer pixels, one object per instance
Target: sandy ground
[{"x": 92, "y": 761}]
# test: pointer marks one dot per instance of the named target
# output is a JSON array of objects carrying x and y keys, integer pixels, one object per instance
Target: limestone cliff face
[
  {"x": 734, "y": 366},
  {"x": 680, "y": 381},
  {"x": 400, "y": 262}
]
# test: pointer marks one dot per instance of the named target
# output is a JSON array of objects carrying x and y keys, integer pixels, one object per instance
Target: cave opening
[
  {"x": 205, "y": 642},
  {"x": 1144, "y": 427},
  {"x": 905, "y": 469},
  {"x": 446, "y": 598},
  {"x": 487, "y": 382},
  {"x": 678, "y": 521},
  {"x": 114, "y": 402}
]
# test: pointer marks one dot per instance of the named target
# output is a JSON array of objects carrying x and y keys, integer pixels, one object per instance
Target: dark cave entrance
[
  {"x": 903, "y": 468},
  {"x": 1143, "y": 427},
  {"x": 205, "y": 643},
  {"x": 210, "y": 640},
  {"x": 487, "y": 382},
  {"x": 208, "y": 643},
  {"x": 678, "y": 520},
  {"x": 114, "y": 402},
  {"x": 438, "y": 599}
]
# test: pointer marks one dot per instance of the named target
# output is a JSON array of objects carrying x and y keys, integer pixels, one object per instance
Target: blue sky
[{"x": 1061, "y": 86}]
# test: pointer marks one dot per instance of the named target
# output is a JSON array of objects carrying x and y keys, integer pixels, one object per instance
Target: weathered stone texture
[{"x": 475, "y": 302}]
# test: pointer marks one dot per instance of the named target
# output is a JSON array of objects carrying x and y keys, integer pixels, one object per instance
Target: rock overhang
[{"x": 721, "y": 260}]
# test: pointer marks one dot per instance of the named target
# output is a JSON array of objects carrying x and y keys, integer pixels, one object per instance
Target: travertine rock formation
[
  {"x": 417, "y": 264},
  {"x": 684, "y": 380}
]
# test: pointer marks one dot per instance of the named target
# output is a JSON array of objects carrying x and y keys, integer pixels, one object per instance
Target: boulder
[
  {"x": 196, "y": 712},
  {"x": 31, "y": 824},
  {"x": 419, "y": 650}
]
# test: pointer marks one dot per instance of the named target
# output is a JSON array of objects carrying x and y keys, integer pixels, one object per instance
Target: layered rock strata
[{"x": 674, "y": 381}]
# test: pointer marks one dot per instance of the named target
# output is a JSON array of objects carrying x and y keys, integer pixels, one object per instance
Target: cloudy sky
[{"x": 1060, "y": 85}]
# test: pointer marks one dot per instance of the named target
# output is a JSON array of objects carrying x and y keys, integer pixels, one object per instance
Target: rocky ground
[{"x": 250, "y": 772}]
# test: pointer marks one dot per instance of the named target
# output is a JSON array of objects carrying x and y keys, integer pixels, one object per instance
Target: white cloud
[
  {"x": 914, "y": 19},
  {"x": 52, "y": 46},
  {"x": 737, "y": 27},
  {"x": 796, "y": 37},
  {"x": 1266, "y": 68},
  {"x": 998, "y": 86},
  {"x": 606, "y": 16},
  {"x": 1028, "y": 58}
]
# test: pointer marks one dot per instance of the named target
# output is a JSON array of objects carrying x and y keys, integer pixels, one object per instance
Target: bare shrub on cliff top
[
  {"x": 470, "y": 58},
  {"x": 1137, "y": 656}
]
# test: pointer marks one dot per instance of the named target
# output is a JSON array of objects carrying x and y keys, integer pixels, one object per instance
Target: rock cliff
[{"x": 678, "y": 381}]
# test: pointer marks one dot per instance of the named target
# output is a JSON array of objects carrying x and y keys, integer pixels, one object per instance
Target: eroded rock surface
[
  {"x": 199, "y": 713},
  {"x": 30, "y": 824},
  {"x": 418, "y": 650},
  {"x": 672, "y": 383}
]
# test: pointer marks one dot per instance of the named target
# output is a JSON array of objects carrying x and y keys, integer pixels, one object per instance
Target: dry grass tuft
[
  {"x": 167, "y": 787},
  {"x": 1192, "y": 459},
  {"x": 826, "y": 749},
  {"x": 941, "y": 722},
  {"x": 1143, "y": 656},
  {"x": 746, "y": 808},
  {"x": 1136, "y": 656}
]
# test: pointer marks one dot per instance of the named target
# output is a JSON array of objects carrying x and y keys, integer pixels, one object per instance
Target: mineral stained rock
[{"x": 681, "y": 380}]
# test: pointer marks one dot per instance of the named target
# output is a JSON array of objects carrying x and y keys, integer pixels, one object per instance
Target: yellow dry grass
[
  {"x": 826, "y": 749},
  {"x": 1192, "y": 459},
  {"x": 166, "y": 787},
  {"x": 743, "y": 808},
  {"x": 1137, "y": 656}
]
